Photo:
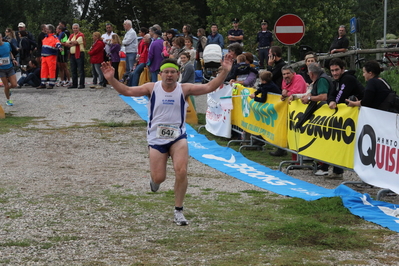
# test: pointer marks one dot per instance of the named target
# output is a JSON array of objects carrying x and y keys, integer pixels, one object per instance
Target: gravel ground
[{"x": 48, "y": 176}]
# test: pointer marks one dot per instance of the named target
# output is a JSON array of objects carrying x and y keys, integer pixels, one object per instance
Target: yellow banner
[
  {"x": 267, "y": 119},
  {"x": 327, "y": 134}
]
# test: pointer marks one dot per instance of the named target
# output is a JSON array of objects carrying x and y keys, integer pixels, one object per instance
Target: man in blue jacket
[{"x": 215, "y": 37}]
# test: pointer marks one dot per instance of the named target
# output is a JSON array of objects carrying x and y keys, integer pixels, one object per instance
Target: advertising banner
[
  {"x": 322, "y": 133},
  {"x": 267, "y": 119},
  {"x": 377, "y": 148}
]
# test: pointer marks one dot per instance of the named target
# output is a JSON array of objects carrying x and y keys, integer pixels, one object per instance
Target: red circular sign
[{"x": 289, "y": 29}]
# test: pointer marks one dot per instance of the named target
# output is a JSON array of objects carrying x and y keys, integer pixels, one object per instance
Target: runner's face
[
  {"x": 336, "y": 72},
  {"x": 170, "y": 75}
]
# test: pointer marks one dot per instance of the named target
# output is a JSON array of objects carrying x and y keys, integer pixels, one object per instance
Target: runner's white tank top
[{"x": 166, "y": 115}]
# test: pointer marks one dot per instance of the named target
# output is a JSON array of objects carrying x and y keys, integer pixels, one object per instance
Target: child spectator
[
  {"x": 266, "y": 85},
  {"x": 244, "y": 73}
]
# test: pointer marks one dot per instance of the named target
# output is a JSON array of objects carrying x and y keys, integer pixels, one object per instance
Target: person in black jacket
[
  {"x": 345, "y": 84},
  {"x": 377, "y": 89},
  {"x": 275, "y": 63},
  {"x": 31, "y": 75}
]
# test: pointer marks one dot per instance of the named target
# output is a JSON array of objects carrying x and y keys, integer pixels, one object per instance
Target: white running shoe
[
  {"x": 321, "y": 172},
  {"x": 179, "y": 218}
]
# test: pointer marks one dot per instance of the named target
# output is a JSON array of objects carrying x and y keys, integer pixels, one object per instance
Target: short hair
[
  {"x": 189, "y": 39},
  {"x": 249, "y": 57},
  {"x": 186, "y": 54},
  {"x": 171, "y": 31},
  {"x": 241, "y": 58},
  {"x": 98, "y": 35},
  {"x": 144, "y": 30},
  {"x": 337, "y": 62},
  {"x": 235, "y": 47},
  {"x": 76, "y": 24},
  {"x": 310, "y": 55},
  {"x": 34, "y": 62},
  {"x": 170, "y": 60},
  {"x": 277, "y": 51},
  {"x": 266, "y": 76},
  {"x": 214, "y": 24},
  {"x": 51, "y": 28},
  {"x": 373, "y": 67},
  {"x": 179, "y": 41},
  {"x": 288, "y": 67},
  {"x": 108, "y": 24},
  {"x": 63, "y": 23},
  {"x": 315, "y": 68},
  {"x": 157, "y": 26},
  {"x": 128, "y": 22}
]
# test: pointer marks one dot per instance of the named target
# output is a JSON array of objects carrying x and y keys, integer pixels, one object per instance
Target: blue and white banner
[{"x": 236, "y": 165}]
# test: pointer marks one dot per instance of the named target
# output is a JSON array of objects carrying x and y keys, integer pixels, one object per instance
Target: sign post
[
  {"x": 353, "y": 24},
  {"x": 289, "y": 30}
]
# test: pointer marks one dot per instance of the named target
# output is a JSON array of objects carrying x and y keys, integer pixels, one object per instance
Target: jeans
[
  {"x": 77, "y": 65},
  {"x": 94, "y": 73},
  {"x": 30, "y": 79},
  {"x": 263, "y": 55},
  {"x": 130, "y": 60},
  {"x": 134, "y": 77},
  {"x": 154, "y": 76},
  {"x": 99, "y": 73}
]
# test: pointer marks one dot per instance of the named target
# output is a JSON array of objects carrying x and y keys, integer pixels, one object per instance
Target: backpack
[{"x": 391, "y": 102}]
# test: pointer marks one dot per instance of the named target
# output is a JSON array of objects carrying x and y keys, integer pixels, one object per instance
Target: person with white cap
[{"x": 22, "y": 27}]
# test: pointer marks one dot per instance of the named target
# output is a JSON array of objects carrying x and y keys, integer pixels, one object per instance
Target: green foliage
[
  {"x": 11, "y": 122},
  {"x": 370, "y": 15},
  {"x": 321, "y": 19}
]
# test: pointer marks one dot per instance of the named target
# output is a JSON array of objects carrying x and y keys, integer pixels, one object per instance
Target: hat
[
  {"x": 158, "y": 32},
  {"x": 264, "y": 21},
  {"x": 235, "y": 20},
  {"x": 21, "y": 24}
]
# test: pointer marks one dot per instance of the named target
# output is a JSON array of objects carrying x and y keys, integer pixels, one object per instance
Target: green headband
[{"x": 166, "y": 65}]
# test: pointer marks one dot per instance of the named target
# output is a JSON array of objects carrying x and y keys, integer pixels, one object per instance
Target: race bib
[
  {"x": 4, "y": 60},
  {"x": 165, "y": 131}
]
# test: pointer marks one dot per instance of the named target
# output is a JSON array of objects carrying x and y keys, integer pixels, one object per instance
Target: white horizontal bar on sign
[{"x": 289, "y": 29}]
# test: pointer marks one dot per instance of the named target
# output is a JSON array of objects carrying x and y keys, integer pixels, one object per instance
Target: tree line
[{"x": 321, "y": 18}]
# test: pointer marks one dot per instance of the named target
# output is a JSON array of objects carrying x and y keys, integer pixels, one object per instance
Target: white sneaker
[
  {"x": 179, "y": 218},
  {"x": 67, "y": 84},
  {"x": 321, "y": 173}
]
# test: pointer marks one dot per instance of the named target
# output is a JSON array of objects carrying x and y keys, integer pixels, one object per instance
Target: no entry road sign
[{"x": 289, "y": 29}]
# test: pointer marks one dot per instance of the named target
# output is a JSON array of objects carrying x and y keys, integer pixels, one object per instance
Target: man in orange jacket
[{"x": 50, "y": 48}]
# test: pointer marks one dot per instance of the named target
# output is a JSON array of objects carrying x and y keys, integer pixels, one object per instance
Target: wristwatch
[{"x": 309, "y": 98}]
